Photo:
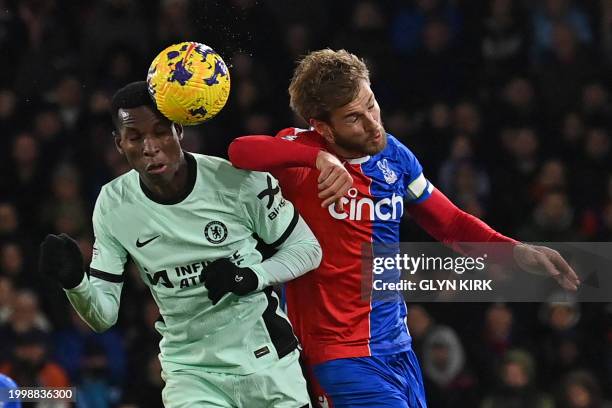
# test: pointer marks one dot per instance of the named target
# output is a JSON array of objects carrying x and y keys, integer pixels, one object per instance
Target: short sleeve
[
  {"x": 108, "y": 254},
  {"x": 270, "y": 215}
]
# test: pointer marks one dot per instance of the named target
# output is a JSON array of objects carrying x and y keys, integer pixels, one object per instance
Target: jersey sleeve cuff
[
  {"x": 81, "y": 287},
  {"x": 261, "y": 274},
  {"x": 109, "y": 277}
]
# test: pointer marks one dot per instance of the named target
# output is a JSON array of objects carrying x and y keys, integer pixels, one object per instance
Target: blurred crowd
[{"x": 505, "y": 102}]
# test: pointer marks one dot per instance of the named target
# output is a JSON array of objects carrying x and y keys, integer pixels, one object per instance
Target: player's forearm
[
  {"x": 96, "y": 301},
  {"x": 265, "y": 153},
  {"x": 447, "y": 223},
  {"x": 299, "y": 254}
]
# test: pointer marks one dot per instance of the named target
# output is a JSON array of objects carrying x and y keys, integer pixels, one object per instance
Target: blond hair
[{"x": 325, "y": 80}]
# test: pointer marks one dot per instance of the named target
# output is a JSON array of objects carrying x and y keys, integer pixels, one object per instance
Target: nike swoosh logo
[{"x": 141, "y": 244}]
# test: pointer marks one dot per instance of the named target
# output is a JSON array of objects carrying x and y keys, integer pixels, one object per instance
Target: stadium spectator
[
  {"x": 65, "y": 211},
  {"x": 173, "y": 25},
  {"x": 23, "y": 178},
  {"x": 13, "y": 265},
  {"x": 409, "y": 24},
  {"x": 464, "y": 181},
  {"x": 548, "y": 13},
  {"x": 504, "y": 40},
  {"x": 435, "y": 70},
  {"x": 9, "y": 220},
  {"x": 517, "y": 387},
  {"x": 580, "y": 389},
  {"x": 570, "y": 139},
  {"x": 7, "y": 295},
  {"x": 420, "y": 324},
  {"x": 96, "y": 385},
  {"x": 500, "y": 334},
  {"x": 551, "y": 177},
  {"x": 563, "y": 346},
  {"x": 552, "y": 220},
  {"x": 564, "y": 71},
  {"x": 518, "y": 104},
  {"x": 30, "y": 365},
  {"x": 76, "y": 345},
  {"x": 517, "y": 165},
  {"x": 448, "y": 381},
  {"x": 596, "y": 108}
]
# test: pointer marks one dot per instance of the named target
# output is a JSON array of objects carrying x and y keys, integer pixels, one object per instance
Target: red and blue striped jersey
[{"x": 331, "y": 315}]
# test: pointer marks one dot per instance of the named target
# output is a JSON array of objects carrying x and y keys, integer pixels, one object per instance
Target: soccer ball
[{"x": 189, "y": 83}]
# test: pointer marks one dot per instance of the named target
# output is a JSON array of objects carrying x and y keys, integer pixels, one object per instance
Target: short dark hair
[{"x": 132, "y": 95}]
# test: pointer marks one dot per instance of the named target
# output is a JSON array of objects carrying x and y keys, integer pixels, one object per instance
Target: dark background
[{"x": 505, "y": 102}]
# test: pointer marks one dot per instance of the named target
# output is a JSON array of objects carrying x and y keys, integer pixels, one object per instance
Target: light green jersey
[{"x": 172, "y": 242}]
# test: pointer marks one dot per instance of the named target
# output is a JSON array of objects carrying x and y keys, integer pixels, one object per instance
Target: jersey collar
[
  {"x": 192, "y": 172},
  {"x": 359, "y": 160}
]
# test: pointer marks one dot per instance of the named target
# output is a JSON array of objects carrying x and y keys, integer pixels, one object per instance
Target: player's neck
[
  {"x": 345, "y": 154},
  {"x": 169, "y": 190}
]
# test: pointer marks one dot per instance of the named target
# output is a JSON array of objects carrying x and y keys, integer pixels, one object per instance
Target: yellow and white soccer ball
[{"x": 189, "y": 82}]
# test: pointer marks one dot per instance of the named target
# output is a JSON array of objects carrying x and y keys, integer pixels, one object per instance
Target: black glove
[
  {"x": 222, "y": 277},
  {"x": 61, "y": 259}
]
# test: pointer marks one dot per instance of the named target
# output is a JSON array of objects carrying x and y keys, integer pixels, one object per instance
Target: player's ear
[
  {"x": 177, "y": 130},
  {"x": 117, "y": 139},
  {"x": 323, "y": 129}
]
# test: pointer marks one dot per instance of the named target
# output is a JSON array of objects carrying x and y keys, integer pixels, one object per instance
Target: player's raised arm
[
  {"x": 95, "y": 300},
  {"x": 95, "y": 297},
  {"x": 265, "y": 153},
  {"x": 447, "y": 223},
  {"x": 292, "y": 148}
]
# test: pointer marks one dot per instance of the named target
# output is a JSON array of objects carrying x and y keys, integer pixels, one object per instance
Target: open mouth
[{"x": 156, "y": 168}]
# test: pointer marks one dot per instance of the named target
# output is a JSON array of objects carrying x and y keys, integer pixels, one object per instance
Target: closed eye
[
  {"x": 351, "y": 118},
  {"x": 133, "y": 136}
]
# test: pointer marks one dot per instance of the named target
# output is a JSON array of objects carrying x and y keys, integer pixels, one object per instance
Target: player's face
[
  {"x": 355, "y": 129},
  {"x": 150, "y": 144}
]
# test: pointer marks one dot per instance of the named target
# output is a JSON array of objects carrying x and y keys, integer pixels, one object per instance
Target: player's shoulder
[
  {"x": 228, "y": 178},
  {"x": 291, "y": 133},
  {"x": 117, "y": 191},
  {"x": 256, "y": 182},
  {"x": 395, "y": 145},
  {"x": 219, "y": 171},
  {"x": 304, "y": 136},
  {"x": 397, "y": 156},
  {"x": 397, "y": 149},
  {"x": 206, "y": 163}
]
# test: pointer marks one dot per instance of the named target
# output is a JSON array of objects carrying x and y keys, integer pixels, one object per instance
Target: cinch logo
[{"x": 365, "y": 208}]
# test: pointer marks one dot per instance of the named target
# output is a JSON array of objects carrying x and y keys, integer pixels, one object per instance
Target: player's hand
[
  {"x": 538, "y": 259},
  {"x": 222, "y": 277},
  {"x": 334, "y": 180},
  {"x": 61, "y": 259}
]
